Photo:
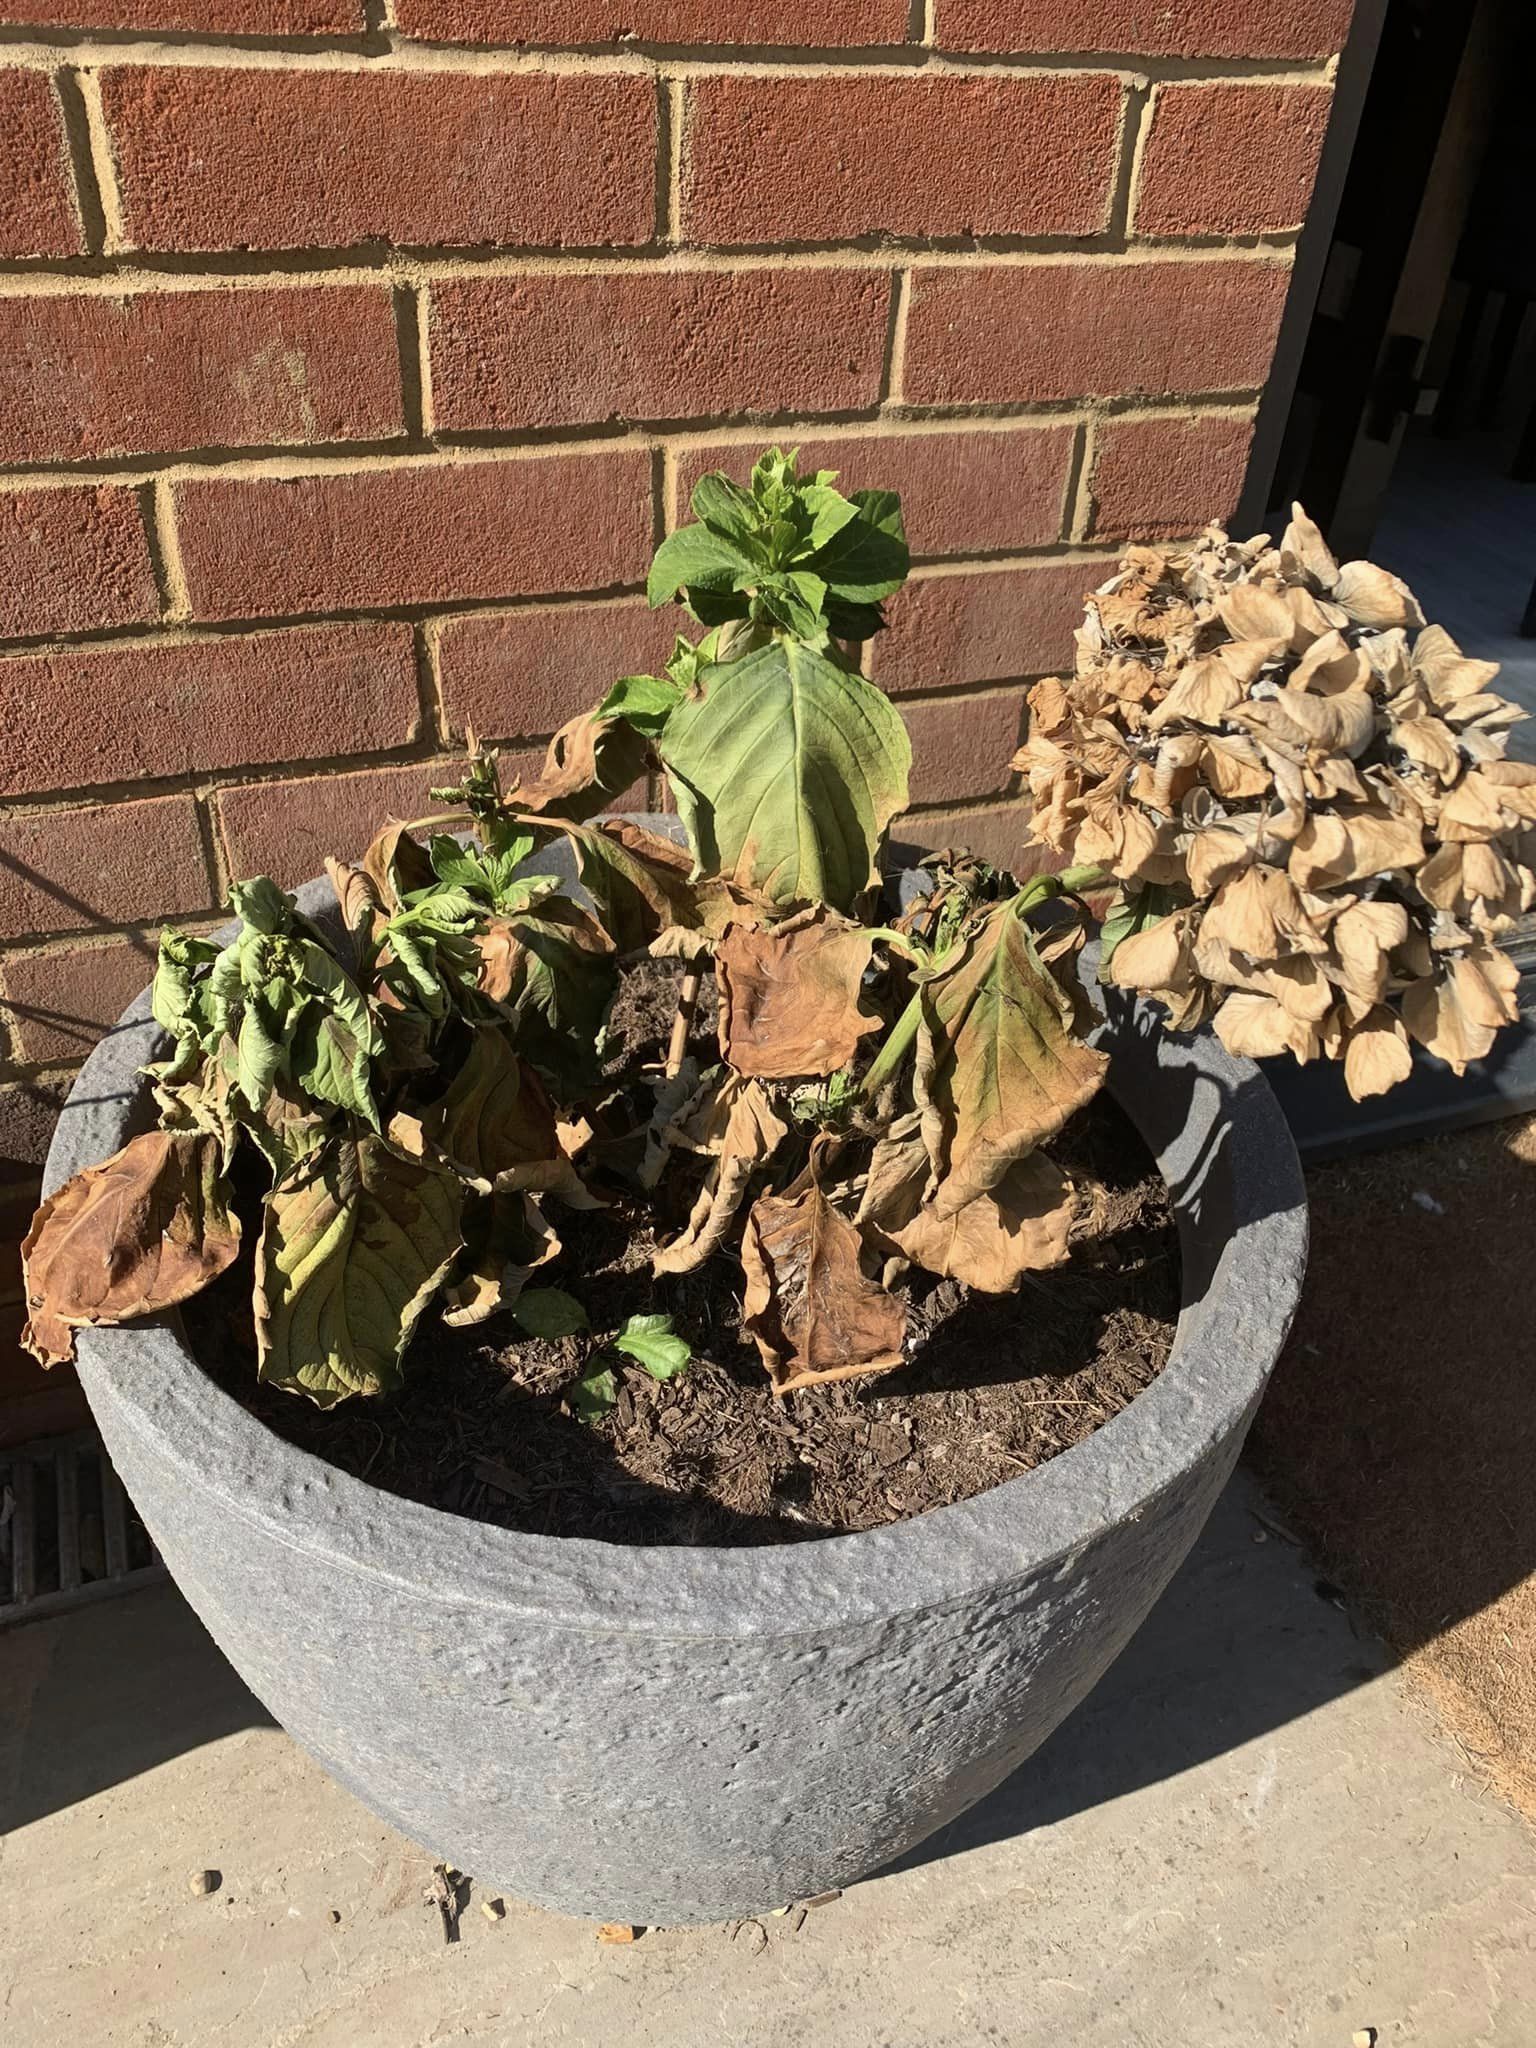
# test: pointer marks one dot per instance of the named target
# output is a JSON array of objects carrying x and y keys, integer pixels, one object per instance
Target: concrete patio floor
[{"x": 1253, "y": 1835}]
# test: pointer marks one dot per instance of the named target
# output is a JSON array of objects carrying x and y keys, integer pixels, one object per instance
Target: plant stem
[
  {"x": 682, "y": 1023},
  {"x": 898, "y": 1042},
  {"x": 900, "y": 1037}
]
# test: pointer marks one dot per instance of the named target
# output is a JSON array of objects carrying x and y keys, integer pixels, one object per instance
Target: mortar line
[
  {"x": 114, "y": 235},
  {"x": 409, "y": 306},
  {"x": 388, "y": 50},
  {"x": 1132, "y": 129},
  {"x": 670, "y": 224},
  {"x": 893, "y": 368},
  {"x": 113, "y": 275},
  {"x": 453, "y": 450},
  {"x": 1079, "y": 468},
  {"x": 77, "y": 135},
  {"x": 167, "y": 546}
]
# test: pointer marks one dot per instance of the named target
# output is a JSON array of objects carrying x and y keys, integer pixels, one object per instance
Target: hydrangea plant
[{"x": 1297, "y": 792}]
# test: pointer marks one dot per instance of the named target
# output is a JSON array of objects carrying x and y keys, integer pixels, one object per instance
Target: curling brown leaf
[
  {"x": 590, "y": 761},
  {"x": 741, "y": 1128},
  {"x": 789, "y": 995},
  {"x": 1021, "y": 1227},
  {"x": 146, "y": 1229},
  {"x": 813, "y": 1314}
]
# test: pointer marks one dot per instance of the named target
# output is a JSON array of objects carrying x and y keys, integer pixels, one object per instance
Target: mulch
[{"x": 994, "y": 1386}]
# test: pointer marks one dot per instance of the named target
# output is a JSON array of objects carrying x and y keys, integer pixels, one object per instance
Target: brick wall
[{"x": 356, "y": 356}]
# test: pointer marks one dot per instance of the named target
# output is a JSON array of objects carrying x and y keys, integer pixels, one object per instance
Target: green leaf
[
  {"x": 1133, "y": 911},
  {"x": 788, "y": 770},
  {"x": 651, "y": 1341},
  {"x": 999, "y": 1069},
  {"x": 331, "y": 1063},
  {"x": 549, "y": 1312},
  {"x": 356, "y": 1241},
  {"x": 174, "y": 999},
  {"x": 694, "y": 557},
  {"x": 554, "y": 973},
  {"x": 262, "y": 906},
  {"x": 868, "y": 558},
  {"x": 647, "y": 702},
  {"x": 725, "y": 506},
  {"x": 829, "y": 512},
  {"x": 594, "y": 1395}
]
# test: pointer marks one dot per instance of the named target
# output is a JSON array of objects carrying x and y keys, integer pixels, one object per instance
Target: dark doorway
[{"x": 1411, "y": 433}]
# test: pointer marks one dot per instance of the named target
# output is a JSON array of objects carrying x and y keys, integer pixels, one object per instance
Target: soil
[
  {"x": 994, "y": 1385},
  {"x": 1399, "y": 1433}
]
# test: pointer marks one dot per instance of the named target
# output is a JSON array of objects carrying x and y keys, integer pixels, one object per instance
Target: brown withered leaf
[
  {"x": 1021, "y": 1227},
  {"x": 148, "y": 1228},
  {"x": 789, "y": 994},
  {"x": 638, "y": 880},
  {"x": 590, "y": 761},
  {"x": 741, "y": 1128},
  {"x": 1376, "y": 1054},
  {"x": 998, "y": 1070},
  {"x": 1373, "y": 597},
  {"x": 496, "y": 1123},
  {"x": 1457, "y": 1013},
  {"x": 1330, "y": 849},
  {"x": 356, "y": 895},
  {"x": 812, "y": 1313},
  {"x": 515, "y": 1240},
  {"x": 396, "y": 865}
]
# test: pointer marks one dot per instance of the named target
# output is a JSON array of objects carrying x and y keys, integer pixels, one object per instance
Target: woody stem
[{"x": 682, "y": 1023}]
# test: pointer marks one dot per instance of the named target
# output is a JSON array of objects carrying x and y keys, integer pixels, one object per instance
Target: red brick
[
  {"x": 660, "y": 345},
  {"x": 961, "y": 746},
  {"x": 258, "y": 159},
  {"x": 999, "y": 832},
  {"x": 515, "y": 675},
  {"x": 822, "y": 24},
  {"x": 1230, "y": 159},
  {"x": 194, "y": 17},
  {"x": 54, "y": 1006},
  {"x": 120, "y": 714},
  {"x": 1147, "y": 28},
  {"x": 90, "y": 377},
  {"x": 961, "y": 494},
  {"x": 1160, "y": 478},
  {"x": 28, "y": 1112},
  {"x": 73, "y": 559},
  {"x": 64, "y": 871},
  {"x": 286, "y": 829},
  {"x": 983, "y": 625},
  {"x": 823, "y": 159},
  {"x": 39, "y": 216},
  {"x": 1011, "y": 333},
  {"x": 420, "y": 534}
]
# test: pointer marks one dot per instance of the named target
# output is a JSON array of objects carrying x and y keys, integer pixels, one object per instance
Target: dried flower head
[{"x": 1302, "y": 789}]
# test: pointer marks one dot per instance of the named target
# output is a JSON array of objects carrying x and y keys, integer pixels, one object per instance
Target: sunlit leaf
[
  {"x": 791, "y": 769},
  {"x": 148, "y": 1228},
  {"x": 357, "y": 1240},
  {"x": 812, "y": 1313},
  {"x": 789, "y": 994},
  {"x": 999, "y": 1069},
  {"x": 652, "y": 1342}
]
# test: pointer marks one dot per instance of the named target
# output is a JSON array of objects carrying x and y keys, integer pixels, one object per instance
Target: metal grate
[{"x": 68, "y": 1532}]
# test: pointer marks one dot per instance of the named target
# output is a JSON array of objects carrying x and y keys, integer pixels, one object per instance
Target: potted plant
[{"x": 394, "y": 1091}]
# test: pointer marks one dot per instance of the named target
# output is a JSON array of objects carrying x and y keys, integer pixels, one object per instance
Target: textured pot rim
[{"x": 144, "y": 1378}]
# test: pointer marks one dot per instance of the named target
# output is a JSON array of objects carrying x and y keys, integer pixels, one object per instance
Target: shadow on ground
[{"x": 1240, "y": 1644}]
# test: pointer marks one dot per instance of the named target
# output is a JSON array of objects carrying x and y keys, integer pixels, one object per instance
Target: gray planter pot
[{"x": 668, "y": 1735}]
